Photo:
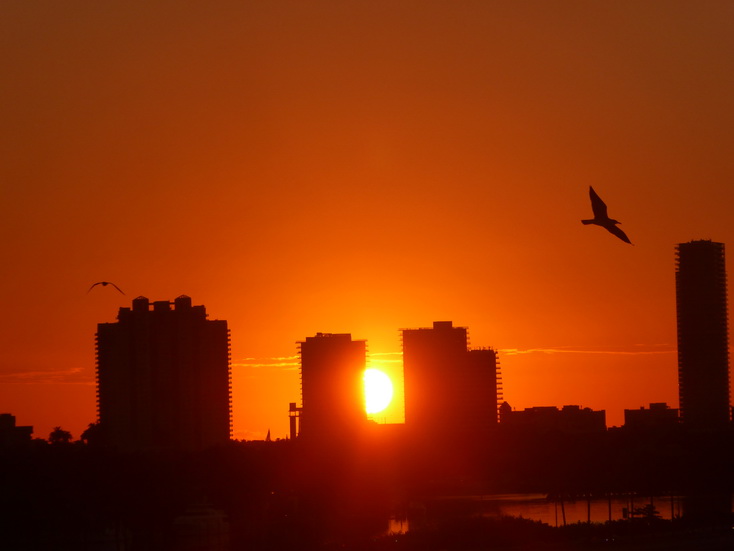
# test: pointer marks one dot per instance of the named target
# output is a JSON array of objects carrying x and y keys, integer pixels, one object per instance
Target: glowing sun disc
[{"x": 377, "y": 390}]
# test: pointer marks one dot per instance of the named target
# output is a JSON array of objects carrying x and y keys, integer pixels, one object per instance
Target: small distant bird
[
  {"x": 601, "y": 219},
  {"x": 105, "y": 284}
]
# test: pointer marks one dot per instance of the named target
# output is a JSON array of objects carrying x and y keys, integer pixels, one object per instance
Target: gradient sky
[{"x": 361, "y": 167}]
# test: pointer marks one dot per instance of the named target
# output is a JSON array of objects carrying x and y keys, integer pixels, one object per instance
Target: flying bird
[
  {"x": 105, "y": 284},
  {"x": 602, "y": 219}
]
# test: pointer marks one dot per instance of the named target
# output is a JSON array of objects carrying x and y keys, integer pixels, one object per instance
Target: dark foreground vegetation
[{"x": 63, "y": 495}]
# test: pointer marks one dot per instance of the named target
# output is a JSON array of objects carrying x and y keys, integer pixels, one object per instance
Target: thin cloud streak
[
  {"x": 274, "y": 359},
  {"x": 292, "y": 362},
  {"x": 287, "y": 362},
  {"x": 580, "y": 350},
  {"x": 77, "y": 375},
  {"x": 384, "y": 358},
  {"x": 72, "y": 376}
]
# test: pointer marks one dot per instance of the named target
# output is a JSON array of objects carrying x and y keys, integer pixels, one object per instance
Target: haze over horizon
[{"x": 360, "y": 168}]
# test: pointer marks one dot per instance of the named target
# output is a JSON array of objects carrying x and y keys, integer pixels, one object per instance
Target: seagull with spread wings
[
  {"x": 602, "y": 219},
  {"x": 105, "y": 284}
]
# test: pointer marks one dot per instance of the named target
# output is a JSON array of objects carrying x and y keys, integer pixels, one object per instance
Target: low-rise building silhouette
[
  {"x": 568, "y": 419},
  {"x": 11, "y": 435},
  {"x": 163, "y": 377},
  {"x": 658, "y": 416}
]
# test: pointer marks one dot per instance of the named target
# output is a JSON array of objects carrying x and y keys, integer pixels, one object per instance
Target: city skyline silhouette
[
  {"x": 162, "y": 438},
  {"x": 359, "y": 170},
  {"x": 453, "y": 388},
  {"x": 397, "y": 377},
  {"x": 340, "y": 172}
]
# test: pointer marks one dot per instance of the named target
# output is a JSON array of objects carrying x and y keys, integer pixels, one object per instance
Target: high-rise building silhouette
[
  {"x": 163, "y": 377},
  {"x": 332, "y": 387},
  {"x": 450, "y": 390},
  {"x": 703, "y": 344}
]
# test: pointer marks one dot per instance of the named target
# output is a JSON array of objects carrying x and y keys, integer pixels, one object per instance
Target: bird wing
[
  {"x": 93, "y": 286},
  {"x": 619, "y": 233},
  {"x": 598, "y": 207},
  {"x": 116, "y": 287}
]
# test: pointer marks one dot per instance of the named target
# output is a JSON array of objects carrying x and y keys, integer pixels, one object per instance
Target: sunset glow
[
  {"x": 315, "y": 275},
  {"x": 378, "y": 390},
  {"x": 298, "y": 168}
]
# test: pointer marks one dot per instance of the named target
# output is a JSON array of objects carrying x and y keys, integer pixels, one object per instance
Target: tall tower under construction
[
  {"x": 450, "y": 390},
  {"x": 332, "y": 387},
  {"x": 703, "y": 343},
  {"x": 163, "y": 377}
]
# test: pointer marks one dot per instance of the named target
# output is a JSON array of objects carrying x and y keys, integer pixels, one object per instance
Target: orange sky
[{"x": 360, "y": 167}]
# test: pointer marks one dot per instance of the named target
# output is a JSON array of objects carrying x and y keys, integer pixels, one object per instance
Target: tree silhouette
[{"x": 59, "y": 436}]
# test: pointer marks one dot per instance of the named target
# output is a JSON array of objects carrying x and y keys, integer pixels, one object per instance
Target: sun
[{"x": 377, "y": 390}]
